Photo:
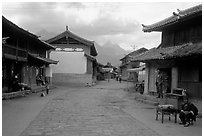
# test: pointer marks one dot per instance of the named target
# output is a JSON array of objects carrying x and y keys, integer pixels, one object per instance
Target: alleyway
[{"x": 102, "y": 110}]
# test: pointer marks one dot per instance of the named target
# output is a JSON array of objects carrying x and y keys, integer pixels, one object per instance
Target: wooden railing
[{"x": 14, "y": 51}]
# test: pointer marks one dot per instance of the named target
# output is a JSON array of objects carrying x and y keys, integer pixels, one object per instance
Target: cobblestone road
[{"x": 96, "y": 111}]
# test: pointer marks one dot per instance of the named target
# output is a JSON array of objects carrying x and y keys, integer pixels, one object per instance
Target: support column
[
  {"x": 146, "y": 84},
  {"x": 174, "y": 78}
]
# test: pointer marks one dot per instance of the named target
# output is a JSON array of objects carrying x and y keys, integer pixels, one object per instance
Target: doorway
[{"x": 166, "y": 72}]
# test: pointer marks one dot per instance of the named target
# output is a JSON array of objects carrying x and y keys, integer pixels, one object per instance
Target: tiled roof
[
  {"x": 42, "y": 59},
  {"x": 16, "y": 28},
  {"x": 173, "y": 52},
  {"x": 134, "y": 53},
  {"x": 69, "y": 33},
  {"x": 78, "y": 38},
  {"x": 176, "y": 17}
]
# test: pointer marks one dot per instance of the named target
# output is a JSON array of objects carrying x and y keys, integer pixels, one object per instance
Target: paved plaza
[{"x": 101, "y": 110}]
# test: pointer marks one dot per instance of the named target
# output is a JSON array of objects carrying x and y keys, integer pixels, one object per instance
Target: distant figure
[
  {"x": 39, "y": 80},
  {"x": 117, "y": 77},
  {"x": 188, "y": 113},
  {"x": 47, "y": 87},
  {"x": 108, "y": 76},
  {"x": 159, "y": 84},
  {"x": 120, "y": 78}
]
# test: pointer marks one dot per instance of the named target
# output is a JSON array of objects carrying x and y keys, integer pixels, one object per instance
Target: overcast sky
[{"x": 118, "y": 22}]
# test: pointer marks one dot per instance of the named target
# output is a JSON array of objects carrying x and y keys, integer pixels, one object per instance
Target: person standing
[
  {"x": 159, "y": 84},
  {"x": 47, "y": 87},
  {"x": 108, "y": 76},
  {"x": 120, "y": 78}
]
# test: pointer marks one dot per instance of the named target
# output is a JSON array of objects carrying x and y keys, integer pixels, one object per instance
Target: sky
[{"x": 116, "y": 22}]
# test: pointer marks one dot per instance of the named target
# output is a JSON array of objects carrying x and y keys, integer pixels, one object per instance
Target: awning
[
  {"x": 42, "y": 59},
  {"x": 136, "y": 69},
  {"x": 107, "y": 69}
]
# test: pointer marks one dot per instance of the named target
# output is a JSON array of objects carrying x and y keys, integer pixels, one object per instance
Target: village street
[{"x": 102, "y": 110}]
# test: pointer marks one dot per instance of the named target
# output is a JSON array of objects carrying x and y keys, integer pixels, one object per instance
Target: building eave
[
  {"x": 25, "y": 33},
  {"x": 42, "y": 59},
  {"x": 174, "y": 52},
  {"x": 174, "y": 19},
  {"x": 84, "y": 41}
]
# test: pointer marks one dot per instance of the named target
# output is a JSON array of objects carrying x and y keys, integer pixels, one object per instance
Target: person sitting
[
  {"x": 188, "y": 113},
  {"x": 39, "y": 80}
]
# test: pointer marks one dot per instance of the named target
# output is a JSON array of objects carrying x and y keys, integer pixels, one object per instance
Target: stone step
[
  {"x": 6, "y": 96},
  {"x": 36, "y": 89}
]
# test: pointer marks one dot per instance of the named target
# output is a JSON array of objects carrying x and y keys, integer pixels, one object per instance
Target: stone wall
[{"x": 71, "y": 79}]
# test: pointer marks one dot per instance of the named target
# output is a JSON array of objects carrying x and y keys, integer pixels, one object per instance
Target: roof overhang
[
  {"x": 107, "y": 69},
  {"x": 84, "y": 41},
  {"x": 136, "y": 69},
  {"x": 134, "y": 53},
  {"x": 174, "y": 52},
  {"x": 49, "y": 46},
  {"x": 23, "y": 33},
  {"x": 181, "y": 16},
  {"x": 90, "y": 57},
  {"x": 42, "y": 59}
]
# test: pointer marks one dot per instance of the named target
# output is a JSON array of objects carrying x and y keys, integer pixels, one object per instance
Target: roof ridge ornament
[
  {"x": 144, "y": 25},
  {"x": 67, "y": 27},
  {"x": 177, "y": 14},
  {"x": 4, "y": 40},
  {"x": 178, "y": 10}
]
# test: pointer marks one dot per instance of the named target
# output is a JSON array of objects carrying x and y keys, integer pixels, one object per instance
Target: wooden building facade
[
  {"x": 179, "y": 55},
  {"x": 100, "y": 72},
  {"x": 127, "y": 63},
  {"x": 23, "y": 56}
]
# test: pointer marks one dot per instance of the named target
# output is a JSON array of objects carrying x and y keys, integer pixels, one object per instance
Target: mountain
[
  {"x": 45, "y": 35},
  {"x": 114, "y": 48},
  {"x": 108, "y": 52}
]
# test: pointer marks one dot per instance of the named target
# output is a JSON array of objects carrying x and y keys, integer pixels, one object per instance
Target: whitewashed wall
[{"x": 69, "y": 62}]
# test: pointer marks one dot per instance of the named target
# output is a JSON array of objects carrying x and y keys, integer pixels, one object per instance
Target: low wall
[{"x": 71, "y": 79}]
